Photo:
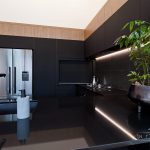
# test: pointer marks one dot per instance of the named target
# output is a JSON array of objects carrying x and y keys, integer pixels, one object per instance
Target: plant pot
[{"x": 139, "y": 94}]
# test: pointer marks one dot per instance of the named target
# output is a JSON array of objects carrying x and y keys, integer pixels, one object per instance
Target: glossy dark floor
[{"x": 80, "y": 122}]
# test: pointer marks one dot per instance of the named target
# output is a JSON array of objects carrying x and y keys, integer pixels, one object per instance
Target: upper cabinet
[
  {"x": 70, "y": 49},
  {"x": 113, "y": 26},
  {"x": 7, "y": 41},
  {"x": 104, "y": 37},
  {"x": 95, "y": 42},
  {"x": 145, "y": 10}
]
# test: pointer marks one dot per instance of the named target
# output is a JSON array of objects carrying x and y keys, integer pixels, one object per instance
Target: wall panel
[
  {"x": 103, "y": 15},
  {"x": 27, "y": 30}
]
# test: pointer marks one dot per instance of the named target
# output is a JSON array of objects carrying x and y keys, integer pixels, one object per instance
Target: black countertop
[
  {"x": 118, "y": 113},
  {"x": 105, "y": 116},
  {"x": 116, "y": 104},
  {"x": 102, "y": 91}
]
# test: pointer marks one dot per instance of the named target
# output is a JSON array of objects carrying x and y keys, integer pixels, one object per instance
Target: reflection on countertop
[
  {"x": 104, "y": 90},
  {"x": 23, "y": 129},
  {"x": 75, "y": 119},
  {"x": 8, "y": 109},
  {"x": 73, "y": 83},
  {"x": 139, "y": 123}
]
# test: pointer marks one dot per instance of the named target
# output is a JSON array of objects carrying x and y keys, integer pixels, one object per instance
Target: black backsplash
[{"x": 113, "y": 71}]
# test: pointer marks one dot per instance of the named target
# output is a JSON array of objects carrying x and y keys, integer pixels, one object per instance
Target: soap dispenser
[
  {"x": 23, "y": 93},
  {"x": 23, "y": 105}
]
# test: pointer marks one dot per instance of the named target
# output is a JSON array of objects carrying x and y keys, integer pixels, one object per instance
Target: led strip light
[
  {"x": 115, "y": 123},
  {"x": 124, "y": 51}
]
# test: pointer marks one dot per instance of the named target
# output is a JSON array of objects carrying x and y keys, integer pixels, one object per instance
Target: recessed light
[{"x": 124, "y": 51}]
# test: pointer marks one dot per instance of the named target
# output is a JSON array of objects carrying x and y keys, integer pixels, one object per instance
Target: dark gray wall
[
  {"x": 104, "y": 37},
  {"x": 46, "y": 56},
  {"x": 115, "y": 70}
]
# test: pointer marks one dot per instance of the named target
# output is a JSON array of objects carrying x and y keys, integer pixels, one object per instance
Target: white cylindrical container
[
  {"x": 23, "y": 107},
  {"x": 94, "y": 84},
  {"x": 94, "y": 80}
]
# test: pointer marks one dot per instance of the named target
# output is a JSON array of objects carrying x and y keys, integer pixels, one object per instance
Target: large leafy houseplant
[{"x": 138, "y": 40}]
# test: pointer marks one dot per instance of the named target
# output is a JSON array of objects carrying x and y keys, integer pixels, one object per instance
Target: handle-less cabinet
[{"x": 16, "y": 66}]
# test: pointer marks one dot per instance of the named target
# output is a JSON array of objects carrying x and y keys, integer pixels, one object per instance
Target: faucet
[{"x": 23, "y": 93}]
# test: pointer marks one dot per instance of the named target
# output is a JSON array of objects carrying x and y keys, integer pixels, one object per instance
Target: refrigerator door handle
[
  {"x": 9, "y": 88},
  {"x": 14, "y": 79}
]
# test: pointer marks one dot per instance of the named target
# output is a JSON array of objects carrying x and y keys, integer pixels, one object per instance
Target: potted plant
[{"x": 138, "y": 40}]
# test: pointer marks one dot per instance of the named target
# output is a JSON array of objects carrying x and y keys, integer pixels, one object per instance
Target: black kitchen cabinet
[
  {"x": 44, "y": 67},
  {"x": 75, "y": 71},
  {"x": 113, "y": 26},
  {"x": 145, "y": 10},
  {"x": 104, "y": 37},
  {"x": 71, "y": 66},
  {"x": 46, "y": 56},
  {"x": 16, "y": 42},
  {"x": 70, "y": 49},
  {"x": 95, "y": 43}
]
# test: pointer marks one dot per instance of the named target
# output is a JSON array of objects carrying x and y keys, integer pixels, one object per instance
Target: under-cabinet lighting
[
  {"x": 115, "y": 123},
  {"x": 124, "y": 51}
]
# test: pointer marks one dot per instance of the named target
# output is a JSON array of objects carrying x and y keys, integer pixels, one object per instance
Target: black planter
[{"x": 139, "y": 94}]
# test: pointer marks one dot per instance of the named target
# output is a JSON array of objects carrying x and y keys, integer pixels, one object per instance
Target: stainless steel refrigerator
[{"x": 15, "y": 72}]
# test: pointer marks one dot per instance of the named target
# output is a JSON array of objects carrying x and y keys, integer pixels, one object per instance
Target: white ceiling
[{"x": 60, "y": 13}]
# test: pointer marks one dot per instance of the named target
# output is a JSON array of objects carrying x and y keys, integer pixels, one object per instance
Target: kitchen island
[
  {"x": 9, "y": 106},
  {"x": 92, "y": 117}
]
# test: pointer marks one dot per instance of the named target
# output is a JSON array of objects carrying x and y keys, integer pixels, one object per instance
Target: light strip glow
[
  {"x": 124, "y": 51},
  {"x": 115, "y": 123}
]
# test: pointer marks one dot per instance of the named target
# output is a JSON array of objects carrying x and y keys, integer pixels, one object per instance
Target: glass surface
[{"x": 74, "y": 123}]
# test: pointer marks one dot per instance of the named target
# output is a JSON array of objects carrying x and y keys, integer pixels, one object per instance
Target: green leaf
[
  {"x": 146, "y": 48},
  {"x": 126, "y": 42},
  {"x": 121, "y": 44},
  {"x": 131, "y": 25},
  {"x": 138, "y": 40},
  {"x": 125, "y": 26},
  {"x": 143, "y": 29},
  {"x": 136, "y": 35},
  {"x": 139, "y": 22},
  {"x": 116, "y": 42}
]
